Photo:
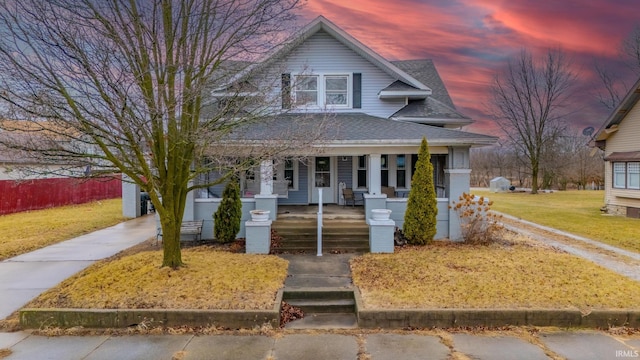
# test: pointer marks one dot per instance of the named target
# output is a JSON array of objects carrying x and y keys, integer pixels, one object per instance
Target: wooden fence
[{"x": 16, "y": 196}]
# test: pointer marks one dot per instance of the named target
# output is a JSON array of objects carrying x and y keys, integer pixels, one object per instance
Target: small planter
[
  {"x": 259, "y": 215},
  {"x": 380, "y": 214}
]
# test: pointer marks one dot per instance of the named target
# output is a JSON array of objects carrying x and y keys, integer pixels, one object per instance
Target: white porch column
[
  {"x": 373, "y": 174},
  {"x": 189, "y": 206},
  {"x": 266, "y": 177},
  {"x": 457, "y": 179},
  {"x": 130, "y": 198}
]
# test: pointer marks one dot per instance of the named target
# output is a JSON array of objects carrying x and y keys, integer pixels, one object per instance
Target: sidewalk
[
  {"x": 608, "y": 256},
  {"x": 26, "y": 276},
  {"x": 582, "y": 345}
]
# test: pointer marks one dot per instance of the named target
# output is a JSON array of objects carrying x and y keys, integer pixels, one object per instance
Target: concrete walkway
[
  {"x": 609, "y": 258},
  {"x": 582, "y": 345},
  {"x": 26, "y": 276}
]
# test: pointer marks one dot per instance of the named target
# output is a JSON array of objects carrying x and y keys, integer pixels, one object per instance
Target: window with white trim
[
  {"x": 306, "y": 90},
  {"x": 384, "y": 170},
  {"x": 633, "y": 175},
  {"x": 362, "y": 172},
  {"x": 318, "y": 90},
  {"x": 287, "y": 170},
  {"x": 401, "y": 171},
  {"x": 626, "y": 175},
  {"x": 336, "y": 90}
]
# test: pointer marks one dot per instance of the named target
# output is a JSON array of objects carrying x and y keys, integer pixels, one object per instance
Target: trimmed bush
[
  {"x": 422, "y": 208},
  {"x": 227, "y": 218}
]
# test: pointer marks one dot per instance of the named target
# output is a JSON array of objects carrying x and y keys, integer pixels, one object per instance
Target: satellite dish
[{"x": 588, "y": 131}]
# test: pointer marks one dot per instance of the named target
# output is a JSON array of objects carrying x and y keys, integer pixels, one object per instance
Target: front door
[{"x": 323, "y": 177}]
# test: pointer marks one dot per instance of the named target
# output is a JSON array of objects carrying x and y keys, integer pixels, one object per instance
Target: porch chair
[
  {"x": 390, "y": 191},
  {"x": 351, "y": 197}
]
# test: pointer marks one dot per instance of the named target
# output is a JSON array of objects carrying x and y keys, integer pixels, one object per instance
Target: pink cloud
[{"x": 470, "y": 40}]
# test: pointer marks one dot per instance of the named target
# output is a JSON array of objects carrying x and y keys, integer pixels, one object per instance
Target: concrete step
[
  {"x": 325, "y": 321},
  {"x": 321, "y": 301},
  {"x": 323, "y": 306},
  {"x": 343, "y": 235}
]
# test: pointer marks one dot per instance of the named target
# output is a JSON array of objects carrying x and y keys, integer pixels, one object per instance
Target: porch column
[
  {"x": 457, "y": 180},
  {"x": 130, "y": 198},
  {"x": 373, "y": 174},
  {"x": 189, "y": 205},
  {"x": 266, "y": 177}
]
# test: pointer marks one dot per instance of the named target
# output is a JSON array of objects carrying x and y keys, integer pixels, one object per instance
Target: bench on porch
[{"x": 187, "y": 228}]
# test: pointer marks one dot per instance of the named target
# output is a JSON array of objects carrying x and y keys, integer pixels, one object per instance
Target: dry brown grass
[
  {"x": 27, "y": 231},
  {"x": 448, "y": 275},
  {"x": 577, "y": 212},
  {"x": 5, "y": 352},
  {"x": 211, "y": 279}
]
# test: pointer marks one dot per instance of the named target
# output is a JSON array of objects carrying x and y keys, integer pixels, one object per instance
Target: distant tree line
[{"x": 566, "y": 163}]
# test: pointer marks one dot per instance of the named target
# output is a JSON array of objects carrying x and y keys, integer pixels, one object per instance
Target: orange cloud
[{"x": 471, "y": 40}]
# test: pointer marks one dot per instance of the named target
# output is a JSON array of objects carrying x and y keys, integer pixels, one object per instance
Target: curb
[
  {"x": 450, "y": 318},
  {"x": 122, "y": 318}
]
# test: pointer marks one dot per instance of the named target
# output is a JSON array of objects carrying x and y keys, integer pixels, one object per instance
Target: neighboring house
[
  {"x": 619, "y": 138},
  {"x": 376, "y": 113}
]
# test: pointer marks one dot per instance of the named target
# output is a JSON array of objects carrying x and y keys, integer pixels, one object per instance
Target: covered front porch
[{"x": 380, "y": 180}]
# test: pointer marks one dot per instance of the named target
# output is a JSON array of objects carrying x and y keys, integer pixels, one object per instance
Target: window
[
  {"x": 306, "y": 90},
  {"x": 619, "y": 180},
  {"x": 633, "y": 175},
  {"x": 384, "y": 170},
  {"x": 336, "y": 90},
  {"x": 362, "y": 172},
  {"x": 320, "y": 90},
  {"x": 289, "y": 172},
  {"x": 401, "y": 171},
  {"x": 626, "y": 175}
]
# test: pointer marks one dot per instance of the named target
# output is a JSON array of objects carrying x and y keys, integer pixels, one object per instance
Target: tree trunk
[
  {"x": 171, "y": 245},
  {"x": 534, "y": 179}
]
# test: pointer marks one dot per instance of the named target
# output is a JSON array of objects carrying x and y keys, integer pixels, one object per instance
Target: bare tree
[
  {"x": 528, "y": 100},
  {"x": 614, "y": 86},
  {"x": 630, "y": 48},
  {"x": 124, "y": 86}
]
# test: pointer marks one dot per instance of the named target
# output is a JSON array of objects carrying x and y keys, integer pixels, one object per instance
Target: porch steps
[
  {"x": 338, "y": 235},
  {"x": 329, "y": 308}
]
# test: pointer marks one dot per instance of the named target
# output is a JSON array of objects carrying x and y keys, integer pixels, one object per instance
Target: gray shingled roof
[
  {"x": 399, "y": 85},
  {"x": 425, "y": 71},
  {"x": 430, "y": 108},
  {"x": 356, "y": 128}
]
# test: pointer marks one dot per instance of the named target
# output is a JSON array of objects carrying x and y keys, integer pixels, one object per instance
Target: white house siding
[
  {"x": 323, "y": 54},
  {"x": 623, "y": 140}
]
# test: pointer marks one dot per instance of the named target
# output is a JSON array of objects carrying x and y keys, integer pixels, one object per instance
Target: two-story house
[
  {"x": 375, "y": 113},
  {"x": 618, "y": 137}
]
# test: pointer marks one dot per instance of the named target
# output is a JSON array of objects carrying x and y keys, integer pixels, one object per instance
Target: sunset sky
[{"x": 470, "y": 40}]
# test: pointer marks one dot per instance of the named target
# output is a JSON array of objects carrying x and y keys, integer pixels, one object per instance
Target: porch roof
[
  {"x": 432, "y": 111},
  {"x": 356, "y": 129}
]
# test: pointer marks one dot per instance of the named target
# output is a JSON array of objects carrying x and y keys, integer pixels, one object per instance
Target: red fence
[{"x": 16, "y": 196}]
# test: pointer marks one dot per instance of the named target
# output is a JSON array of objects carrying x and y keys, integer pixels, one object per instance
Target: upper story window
[
  {"x": 336, "y": 90},
  {"x": 306, "y": 90},
  {"x": 333, "y": 90},
  {"x": 626, "y": 175}
]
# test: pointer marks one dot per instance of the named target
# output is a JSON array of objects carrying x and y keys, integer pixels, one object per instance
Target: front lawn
[
  {"x": 211, "y": 279},
  {"x": 577, "y": 212},
  {"x": 30, "y": 230},
  {"x": 449, "y": 275}
]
